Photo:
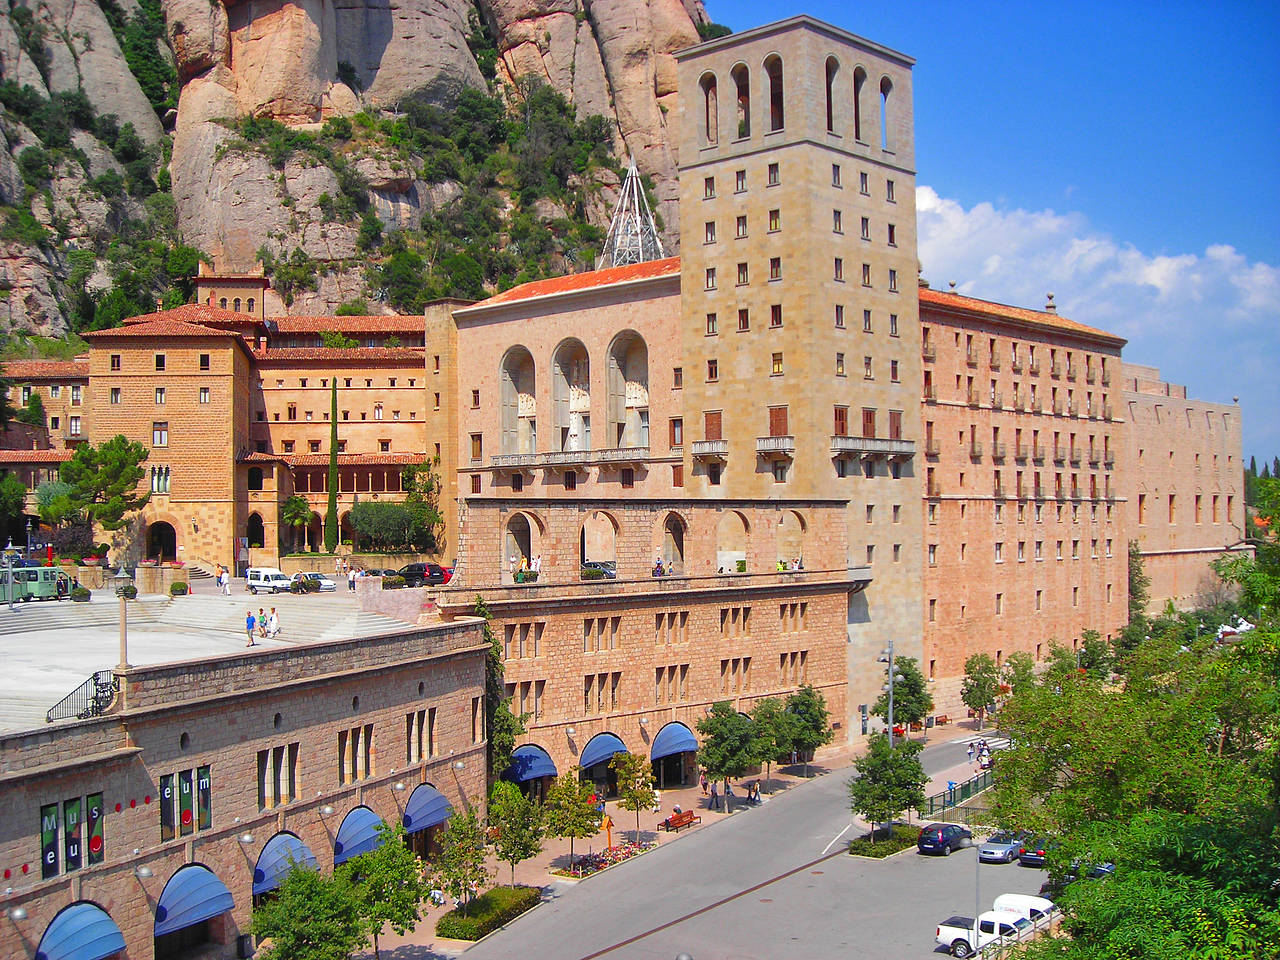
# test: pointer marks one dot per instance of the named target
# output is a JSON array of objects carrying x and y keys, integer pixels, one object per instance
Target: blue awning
[
  {"x": 191, "y": 895},
  {"x": 529, "y": 763},
  {"x": 426, "y": 807},
  {"x": 601, "y": 748},
  {"x": 358, "y": 834},
  {"x": 282, "y": 853},
  {"x": 83, "y": 931},
  {"x": 671, "y": 739}
]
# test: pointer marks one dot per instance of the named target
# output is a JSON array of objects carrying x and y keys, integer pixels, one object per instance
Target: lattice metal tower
[{"x": 633, "y": 236}]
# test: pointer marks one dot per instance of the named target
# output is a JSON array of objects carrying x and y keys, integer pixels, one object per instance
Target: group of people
[
  {"x": 521, "y": 566},
  {"x": 982, "y": 752},
  {"x": 662, "y": 571},
  {"x": 266, "y": 625},
  {"x": 795, "y": 563},
  {"x": 711, "y": 789},
  {"x": 222, "y": 577}
]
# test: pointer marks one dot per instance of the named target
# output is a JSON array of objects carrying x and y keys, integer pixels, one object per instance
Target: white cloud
[{"x": 1209, "y": 320}]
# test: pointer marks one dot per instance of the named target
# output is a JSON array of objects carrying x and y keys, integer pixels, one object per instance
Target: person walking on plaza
[
  {"x": 351, "y": 580},
  {"x": 225, "y": 580},
  {"x": 971, "y": 751},
  {"x": 250, "y": 621},
  {"x": 273, "y": 624},
  {"x": 704, "y": 783},
  {"x": 262, "y": 623},
  {"x": 714, "y": 804}
]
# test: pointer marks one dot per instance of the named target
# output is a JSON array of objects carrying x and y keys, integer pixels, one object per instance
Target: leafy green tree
[
  {"x": 104, "y": 480},
  {"x": 635, "y": 784},
  {"x": 337, "y": 341},
  {"x": 53, "y": 502},
  {"x": 1138, "y": 627},
  {"x": 981, "y": 685},
  {"x": 889, "y": 780},
  {"x": 296, "y": 514},
  {"x": 813, "y": 722},
  {"x": 311, "y": 917},
  {"x": 503, "y": 726},
  {"x": 461, "y": 867},
  {"x": 774, "y": 729},
  {"x": 13, "y": 501},
  {"x": 331, "y": 511},
  {"x": 1018, "y": 672},
  {"x": 389, "y": 885},
  {"x": 912, "y": 701},
  {"x": 569, "y": 811},
  {"x": 728, "y": 747},
  {"x": 33, "y": 412},
  {"x": 517, "y": 823},
  {"x": 1095, "y": 655}
]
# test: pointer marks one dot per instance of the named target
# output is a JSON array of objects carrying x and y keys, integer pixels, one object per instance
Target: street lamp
[
  {"x": 9, "y": 552},
  {"x": 977, "y": 881},
  {"x": 886, "y": 656}
]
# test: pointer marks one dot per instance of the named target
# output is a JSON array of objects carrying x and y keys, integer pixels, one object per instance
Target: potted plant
[
  {"x": 80, "y": 594},
  {"x": 179, "y": 588}
]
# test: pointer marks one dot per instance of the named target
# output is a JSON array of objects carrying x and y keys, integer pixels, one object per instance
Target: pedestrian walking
[
  {"x": 351, "y": 580},
  {"x": 715, "y": 798},
  {"x": 226, "y": 582},
  {"x": 970, "y": 751},
  {"x": 704, "y": 783},
  {"x": 273, "y": 624},
  {"x": 250, "y": 621},
  {"x": 262, "y": 623}
]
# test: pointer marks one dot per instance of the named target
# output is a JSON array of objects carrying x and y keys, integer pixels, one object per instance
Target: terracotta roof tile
[
  {"x": 47, "y": 369},
  {"x": 36, "y": 456},
  {"x": 399, "y": 323},
  {"x": 571, "y": 283},
  {"x": 358, "y": 459},
  {"x": 1001, "y": 311},
  {"x": 198, "y": 313},
  {"x": 164, "y": 326},
  {"x": 415, "y": 355}
]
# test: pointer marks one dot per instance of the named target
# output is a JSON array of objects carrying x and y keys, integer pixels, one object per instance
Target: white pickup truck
[{"x": 994, "y": 926}]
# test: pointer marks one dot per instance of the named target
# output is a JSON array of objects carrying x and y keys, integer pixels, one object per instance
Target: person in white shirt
[{"x": 273, "y": 624}]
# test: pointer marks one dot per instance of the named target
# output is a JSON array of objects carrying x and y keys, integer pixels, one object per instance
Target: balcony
[
  {"x": 1037, "y": 454},
  {"x": 1058, "y": 408},
  {"x": 1022, "y": 492},
  {"x": 974, "y": 397},
  {"x": 1055, "y": 369},
  {"x": 999, "y": 493},
  {"x": 929, "y": 352},
  {"x": 1021, "y": 451},
  {"x": 1039, "y": 492},
  {"x": 930, "y": 395},
  {"x": 1020, "y": 404},
  {"x": 994, "y": 363},
  {"x": 1016, "y": 366},
  {"x": 997, "y": 400},
  {"x": 1075, "y": 493},
  {"x": 868, "y": 447},
  {"x": 1059, "y": 453},
  {"x": 1092, "y": 411},
  {"x": 710, "y": 450},
  {"x": 1109, "y": 459},
  {"x": 971, "y": 360},
  {"x": 1090, "y": 376},
  {"x": 776, "y": 448},
  {"x": 1071, "y": 373},
  {"x": 934, "y": 488},
  {"x": 1074, "y": 456},
  {"x": 975, "y": 450},
  {"x": 932, "y": 448},
  {"x": 1106, "y": 378},
  {"x": 559, "y": 459},
  {"x": 1034, "y": 368},
  {"x": 1071, "y": 409},
  {"x": 997, "y": 451},
  {"x": 1094, "y": 458}
]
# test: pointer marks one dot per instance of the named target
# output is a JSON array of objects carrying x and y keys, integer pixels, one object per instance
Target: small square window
[
  {"x": 475, "y": 399},
  {"x": 712, "y": 325},
  {"x": 570, "y": 480},
  {"x": 893, "y": 235},
  {"x": 288, "y": 446},
  {"x": 713, "y": 474},
  {"x": 740, "y": 181},
  {"x": 160, "y": 361},
  {"x": 713, "y": 371},
  {"x": 866, "y": 369},
  {"x": 115, "y": 395},
  {"x": 837, "y": 222},
  {"x": 775, "y": 315},
  {"x": 864, "y": 185},
  {"x": 677, "y": 378},
  {"x": 774, "y": 177},
  {"x": 115, "y": 361},
  {"x": 779, "y": 471},
  {"x": 709, "y": 231},
  {"x": 313, "y": 446},
  {"x": 835, "y": 174},
  {"x": 742, "y": 274},
  {"x": 677, "y": 475},
  {"x": 384, "y": 446},
  {"x": 477, "y": 446},
  {"x": 775, "y": 221},
  {"x": 159, "y": 434},
  {"x": 775, "y": 268},
  {"x": 204, "y": 361},
  {"x": 839, "y": 364},
  {"x": 708, "y": 188},
  {"x": 740, "y": 227},
  {"x": 888, "y": 191},
  {"x": 475, "y": 483},
  {"x": 517, "y": 483},
  {"x": 628, "y": 478}
]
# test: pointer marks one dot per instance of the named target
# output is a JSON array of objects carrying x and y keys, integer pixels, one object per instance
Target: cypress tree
[
  {"x": 331, "y": 512},
  {"x": 1253, "y": 466}
]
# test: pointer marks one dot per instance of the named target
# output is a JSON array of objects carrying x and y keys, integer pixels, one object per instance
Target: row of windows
[
  {"x": 161, "y": 362},
  {"x": 998, "y": 608},
  {"x": 1038, "y": 554},
  {"x": 308, "y": 416},
  {"x": 998, "y": 513},
  {"x": 236, "y": 304},
  {"x": 972, "y": 350},
  {"x": 773, "y": 177},
  {"x": 777, "y": 368},
  {"x": 743, "y": 274},
  {"x": 115, "y": 395},
  {"x": 346, "y": 382},
  {"x": 740, "y": 231},
  {"x": 55, "y": 392},
  {"x": 1199, "y": 515}
]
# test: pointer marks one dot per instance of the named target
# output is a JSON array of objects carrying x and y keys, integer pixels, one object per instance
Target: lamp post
[
  {"x": 886, "y": 656},
  {"x": 8, "y": 570},
  {"x": 977, "y": 895}
]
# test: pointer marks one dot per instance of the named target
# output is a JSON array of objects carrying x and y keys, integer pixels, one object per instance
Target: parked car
[
  {"x": 267, "y": 579},
  {"x": 942, "y": 838},
  {"x": 326, "y": 584},
  {"x": 1004, "y": 846},
  {"x": 1036, "y": 851},
  {"x": 422, "y": 574},
  {"x": 380, "y": 572},
  {"x": 1053, "y": 888},
  {"x": 957, "y": 933},
  {"x": 1025, "y": 905}
]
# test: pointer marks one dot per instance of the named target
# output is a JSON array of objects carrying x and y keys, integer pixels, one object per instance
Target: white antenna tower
[{"x": 633, "y": 236}]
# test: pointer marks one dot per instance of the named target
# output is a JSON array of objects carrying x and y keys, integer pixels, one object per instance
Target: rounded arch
[
  {"x": 672, "y": 755},
  {"x": 83, "y": 930},
  {"x": 777, "y": 103},
  {"x": 222, "y": 303},
  {"x": 593, "y": 762},
  {"x": 235, "y": 305},
  {"x": 315, "y": 532},
  {"x": 522, "y": 543},
  {"x": 571, "y": 395},
  {"x": 670, "y": 547},
  {"x": 280, "y": 855},
  {"x": 733, "y": 533},
  {"x": 628, "y": 383},
  {"x": 255, "y": 530},
  {"x": 358, "y": 833},
  {"x": 192, "y": 896},
  {"x": 346, "y": 533},
  {"x": 791, "y": 531},
  {"x": 518, "y": 377},
  {"x": 162, "y": 541},
  {"x": 598, "y": 544},
  {"x": 832, "y": 70},
  {"x": 886, "y": 88},
  {"x": 859, "y": 83},
  {"x": 740, "y": 74},
  {"x": 710, "y": 110}
]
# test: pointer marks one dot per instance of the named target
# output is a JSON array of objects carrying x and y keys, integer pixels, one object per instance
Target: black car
[
  {"x": 1035, "y": 852},
  {"x": 422, "y": 574},
  {"x": 942, "y": 838}
]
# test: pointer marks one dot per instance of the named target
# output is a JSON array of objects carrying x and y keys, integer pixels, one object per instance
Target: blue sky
[{"x": 1124, "y": 156}]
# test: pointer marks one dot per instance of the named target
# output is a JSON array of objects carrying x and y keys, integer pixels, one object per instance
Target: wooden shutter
[
  {"x": 711, "y": 425},
  {"x": 868, "y": 422},
  {"x": 777, "y": 421},
  {"x": 842, "y": 422},
  {"x": 895, "y": 424}
]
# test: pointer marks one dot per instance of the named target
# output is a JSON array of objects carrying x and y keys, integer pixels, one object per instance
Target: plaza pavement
[{"x": 788, "y": 841}]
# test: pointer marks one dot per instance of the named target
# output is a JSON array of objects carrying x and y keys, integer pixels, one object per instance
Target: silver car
[{"x": 1002, "y": 847}]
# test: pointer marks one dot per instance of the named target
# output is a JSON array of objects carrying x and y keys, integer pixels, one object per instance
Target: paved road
[{"x": 770, "y": 882}]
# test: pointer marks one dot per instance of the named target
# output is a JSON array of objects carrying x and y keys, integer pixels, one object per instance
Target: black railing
[{"x": 90, "y": 699}]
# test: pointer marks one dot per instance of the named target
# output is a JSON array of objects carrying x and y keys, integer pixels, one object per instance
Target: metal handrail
[{"x": 90, "y": 699}]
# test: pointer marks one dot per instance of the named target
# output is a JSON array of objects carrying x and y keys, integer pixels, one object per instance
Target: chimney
[{"x": 1051, "y": 307}]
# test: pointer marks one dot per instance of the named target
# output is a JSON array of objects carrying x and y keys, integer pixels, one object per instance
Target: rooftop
[
  {"x": 578, "y": 282},
  {"x": 198, "y": 313},
  {"x": 398, "y": 323},
  {"x": 47, "y": 369},
  {"x": 36, "y": 456},
  {"x": 356, "y": 355},
  {"x": 1001, "y": 311}
]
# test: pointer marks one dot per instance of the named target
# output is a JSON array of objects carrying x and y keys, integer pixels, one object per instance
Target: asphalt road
[{"x": 770, "y": 882}]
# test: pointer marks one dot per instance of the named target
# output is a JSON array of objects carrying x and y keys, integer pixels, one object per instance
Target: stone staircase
[
  {"x": 101, "y": 613},
  {"x": 197, "y": 572},
  {"x": 303, "y": 619}
]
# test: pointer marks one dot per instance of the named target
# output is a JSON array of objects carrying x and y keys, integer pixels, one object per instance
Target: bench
[
  {"x": 945, "y": 718},
  {"x": 684, "y": 818}
]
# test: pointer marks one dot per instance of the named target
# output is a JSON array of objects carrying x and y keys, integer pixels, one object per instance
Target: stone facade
[
  {"x": 1186, "y": 507},
  {"x": 1025, "y": 526},
  {"x": 222, "y": 717}
]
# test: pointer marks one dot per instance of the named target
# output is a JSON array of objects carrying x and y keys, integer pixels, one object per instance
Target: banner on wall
[
  {"x": 166, "y": 807},
  {"x": 93, "y": 816},
  {"x": 204, "y": 798},
  {"x": 49, "y": 841},
  {"x": 73, "y": 850},
  {"x": 186, "y": 803}
]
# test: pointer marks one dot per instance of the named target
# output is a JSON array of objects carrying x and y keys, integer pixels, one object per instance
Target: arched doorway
[
  {"x": 628, "y": 383},
  {"x": 672, "y": 550},
  {"x": 791, "y": 527},
  {"x": 345, "y": 533},
  {"x": 281, "y": 854},
  {"x": 425, "y": 815},
  {"x": 315, "y": 533},
  {"x": 594, "y": 762},
  {"x": 597, "y": 545},
  {"x": 359, "y": 833},
  {"x": 82, "y": 931},
  {"x": 532, "y": 770},
  {"x": 672, "y": 755},
  {"x": 521, "y": 545},
  {"x": 254, "y": 531},
  {"x": 731, "y": 543},
  {"x": 571, "y": 395},
  {"x": 191, "y": 913},
  {"x": 162, "y": 541}
]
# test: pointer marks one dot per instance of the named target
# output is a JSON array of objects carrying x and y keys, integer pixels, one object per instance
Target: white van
[
  {"x": 1025, "y": 905},
  {"x": 265, "y": 578}
]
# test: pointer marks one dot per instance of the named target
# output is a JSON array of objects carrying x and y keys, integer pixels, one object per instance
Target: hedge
[
  {"x": 392, "y": 583},
  {"x": 902, "y": 837},
  {"x": 487, "y": 912},
  {"x": 80, "y": 594},
  {"x": 592, "y": 573},
  {"x": 128, "y": 591}
]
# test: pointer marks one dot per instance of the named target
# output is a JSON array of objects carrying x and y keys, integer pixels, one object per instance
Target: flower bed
[{"x": 590, "y": 863}]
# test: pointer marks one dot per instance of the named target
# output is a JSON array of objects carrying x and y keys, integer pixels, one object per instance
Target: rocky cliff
[{"x": 179, "y": 77}]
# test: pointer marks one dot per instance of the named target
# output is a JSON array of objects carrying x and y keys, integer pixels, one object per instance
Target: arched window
[
  {"x": 833, "y": 67},
  {"x": 859, "y": 81},
  {"x": 519, "y": 403},
  {"x": 741, "y": 77},
  {"x": 571, "y": 397},
  {"x": 223, "y": 303},
  {"x": 236, "y": 305},
  {"x": 251, "y": 304},
  {"x": 886, "y": 88},
  {"x": 710, "y": 110},
  {"x": 773, "y": 67}
]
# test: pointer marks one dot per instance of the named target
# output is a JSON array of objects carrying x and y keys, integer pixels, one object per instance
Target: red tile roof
[
  {"x": 355, "y": 355},
  {"x": 1001, "y": 311},
  {"x": 161, "y": 326},
  {"x": 36, "y": 456},
  {"x": 358, "y": 459},
  {"x": 400, "y": 323},
  {"x": 47, "y": 369},
  {"x": 574, "y": 282},
  {"x": 198, "y": 313}
]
